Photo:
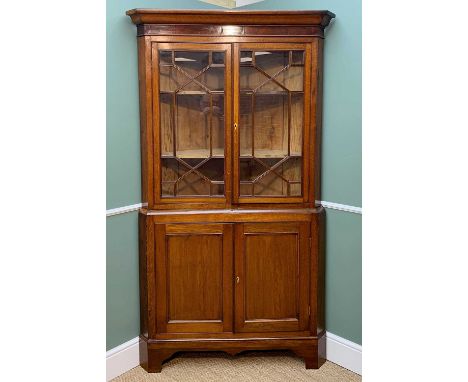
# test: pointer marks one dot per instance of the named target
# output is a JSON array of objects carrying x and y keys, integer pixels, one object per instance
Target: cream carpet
[{"x": 278, "y": 366}]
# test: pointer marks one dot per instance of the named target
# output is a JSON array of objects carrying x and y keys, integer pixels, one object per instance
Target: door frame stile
[{"x": 236, "y": 140}]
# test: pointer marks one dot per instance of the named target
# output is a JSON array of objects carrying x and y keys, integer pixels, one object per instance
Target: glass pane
[
  {"x": 297, "y": 123},
  {"x": 271, "y": 122},
  {"x": 170, "y": 79},
  {"x": 245, "y": 124},
  {"x": 270, "y": 185},
  {"x": 193, "y": 126},
  {"x": 291, "y": 170},
  {"x": 213, "y": 169},
  {"x": 191, "y": 62},
  {"x": 193, "y": 184},
  {"x": 213, "y": 79},
  {"x": 217, "y": 124},
  {"x": 271, "y": 62},
  {"x": 246, "y": 58},
  {"x": 218, "y": 58},
  {"x": 192, "y": 123},
  {"x": 270, "y": 177},
  {"x": 251, "y": 79},
  {"x": 298, "y": 57},
  {"x": 171, "y": 171},
  {"x": 271, "y": 125},
  {"x": 165, "y": 57},
  {"x": 217, "y": 189},
  {"x": 292, "y": 78},
  {"x": 192, "y": 87},
  {"x": 250, "y": 169},
  {"x": 246, "y": 189},
  {"x": 166, "y": 107}
]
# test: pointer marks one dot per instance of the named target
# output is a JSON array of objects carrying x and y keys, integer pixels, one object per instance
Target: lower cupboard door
[
  {"x": 272, "y": 277},
  {"x": 194, "y": 278}
]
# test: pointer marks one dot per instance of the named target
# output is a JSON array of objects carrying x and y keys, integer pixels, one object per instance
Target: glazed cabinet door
[
  {"x": 193, "y": 278},
  {"x": 192, "y": 109},
  {"x": 272, "y": 277},
  {"x": 272, "y": 92}
]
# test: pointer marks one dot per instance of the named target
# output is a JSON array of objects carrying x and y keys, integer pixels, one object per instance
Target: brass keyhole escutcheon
[{"x": 237, "y": 279}]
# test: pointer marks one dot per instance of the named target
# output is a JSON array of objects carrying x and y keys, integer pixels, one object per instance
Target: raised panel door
[
  {"x": 194, "y": 278},
  {"x": 272, "y": 274}
]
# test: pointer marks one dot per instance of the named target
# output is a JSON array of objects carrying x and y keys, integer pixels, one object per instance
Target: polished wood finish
[
  {"x": 194, "y": 278},
  {"x": 155, "y": 352},
  {"x": 234, "y": 215},
  {"x": 231, "y": 238},
  {"x": 229, "y": 39},
  {"x": 193, "y": 259},
  {"x": 209, "y": 17},
  {"x": 272, "y": 276},
  {"x": 316, "y": 119},
  {"x": 146, "y": 123},
  {"x": 143, "y": 270},
  {"x": 213, "y": 30}
]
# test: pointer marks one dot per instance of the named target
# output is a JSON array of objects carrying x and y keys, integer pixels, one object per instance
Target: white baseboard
[
  {"x": 345, "y": 353},
  {"x": 122, "y": 358}
]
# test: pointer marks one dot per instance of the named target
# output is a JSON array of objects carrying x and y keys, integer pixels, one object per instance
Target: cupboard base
[{"x": 153, "y": 353}]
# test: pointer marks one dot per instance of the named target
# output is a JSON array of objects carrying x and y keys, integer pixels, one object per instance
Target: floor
[{"x": 275, "y": 366}]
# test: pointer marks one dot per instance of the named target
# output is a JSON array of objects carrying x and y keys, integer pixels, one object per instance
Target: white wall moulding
[
  {"x": 334, "y": 206},
  {"x": 231, "y": 3},
  {"x": 345, "y": 353},
  {"x": 341, "y": 207},
  {"x": 123, "y": 210}
]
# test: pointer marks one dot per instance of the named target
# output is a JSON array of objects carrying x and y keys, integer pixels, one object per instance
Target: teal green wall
[
  {"x": 123, "y": 124},
  {"x": 341, "y": 145},
  {"x": 343, "y": 275},
  {"x": 341, "y": 168},
  {"x": 122, "y": 302}
]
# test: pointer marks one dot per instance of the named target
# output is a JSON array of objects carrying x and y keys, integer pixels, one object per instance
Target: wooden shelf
[
  {"x": 266, "y": 153},
  {"x": 193, "y": 92},
  {"x": 283, "y": 92},
  {"x": 219, "y": 153},
  {"x": 221, "y": 92},
  {"x": 200, "y": 153}
]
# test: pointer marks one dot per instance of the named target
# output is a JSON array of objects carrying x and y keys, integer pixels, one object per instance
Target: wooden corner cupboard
[{"x": 231, "y": 234}]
